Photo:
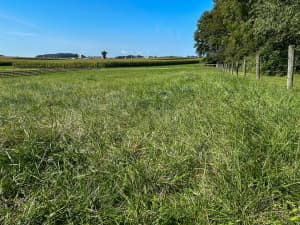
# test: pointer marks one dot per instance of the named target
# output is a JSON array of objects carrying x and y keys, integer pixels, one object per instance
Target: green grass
[
  {"x": 6, "y": 67},
  {"x": 164, "y": 145}
]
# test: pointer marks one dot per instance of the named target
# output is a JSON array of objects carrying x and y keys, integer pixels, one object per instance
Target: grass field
[
  {"x": 35, "y": 63},
  {"x": 158, "y": 145},
  {"x": 6, "y": 67}
]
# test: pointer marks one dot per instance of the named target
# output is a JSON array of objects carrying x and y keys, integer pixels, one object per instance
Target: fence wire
[{"x": 269, "y": 64}]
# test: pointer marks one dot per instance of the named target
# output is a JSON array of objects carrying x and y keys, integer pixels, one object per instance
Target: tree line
[
  {"x": 60, "y": 56},
  {"x": 236, "y": 29}
]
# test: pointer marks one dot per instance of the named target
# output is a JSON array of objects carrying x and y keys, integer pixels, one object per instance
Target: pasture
[{"x": 158, "y": 145}]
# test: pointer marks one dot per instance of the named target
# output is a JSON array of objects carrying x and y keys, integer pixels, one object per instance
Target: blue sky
[{"x": 146, "y": 27}]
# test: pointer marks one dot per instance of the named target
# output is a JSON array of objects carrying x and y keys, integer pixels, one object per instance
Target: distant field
[
  {"x": 159, "y": 145},
  {"x": 93, "y": 63}
]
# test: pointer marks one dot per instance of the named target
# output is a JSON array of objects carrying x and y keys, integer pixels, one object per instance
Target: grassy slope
[{"x": 184, "y": 145}]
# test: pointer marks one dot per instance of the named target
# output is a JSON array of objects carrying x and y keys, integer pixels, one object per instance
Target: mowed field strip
[{"x": 160, "y": 145}]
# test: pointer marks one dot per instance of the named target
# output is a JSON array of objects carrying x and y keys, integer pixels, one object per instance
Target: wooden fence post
[
  {"x": 258, "y": 67},
  {"x": 245, "y": 68},
  {"x": 231, "y": 68},
  {"x": 290, "y": 76}
]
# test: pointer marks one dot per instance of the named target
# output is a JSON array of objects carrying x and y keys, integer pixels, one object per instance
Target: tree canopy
[
  {"x": 235, "y": 29},
  {"x": 104, "y": 54},
  {"x": 61, "y": 56}
]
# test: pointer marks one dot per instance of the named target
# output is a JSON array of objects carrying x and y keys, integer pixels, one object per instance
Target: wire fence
[{"x": 267, "y": 65}]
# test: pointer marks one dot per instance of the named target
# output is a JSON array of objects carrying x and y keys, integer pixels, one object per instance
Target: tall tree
[
  {"x": 104, "y": 54},
  {"x": 276, "y": 26},
  {"x": 202, "y": 34},
  {"x": 234, "y": 29}
]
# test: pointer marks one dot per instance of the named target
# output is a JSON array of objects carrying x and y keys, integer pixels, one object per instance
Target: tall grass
[{"x": 166, "y": 145}]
